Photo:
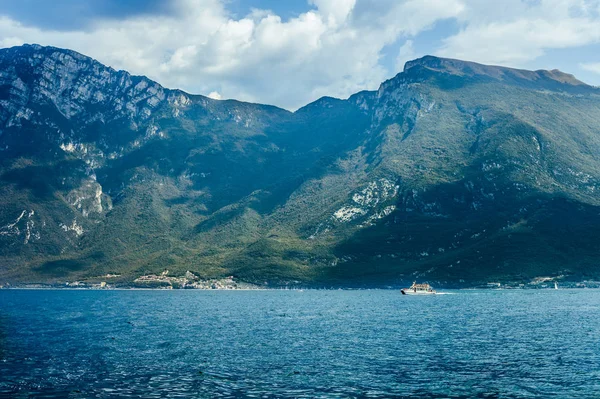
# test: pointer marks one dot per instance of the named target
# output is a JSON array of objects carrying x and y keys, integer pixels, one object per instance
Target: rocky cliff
[{"x": 454, "y": 172}]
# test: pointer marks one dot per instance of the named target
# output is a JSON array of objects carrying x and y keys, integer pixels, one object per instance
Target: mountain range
[{"x": 451, "y": 172}]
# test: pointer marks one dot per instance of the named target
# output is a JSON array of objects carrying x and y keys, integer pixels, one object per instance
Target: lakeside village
[
  {"x": 151, "y": 281},
  {"x": 190, "y": 281}
]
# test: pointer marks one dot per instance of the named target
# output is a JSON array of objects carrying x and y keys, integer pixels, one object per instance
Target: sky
[{"x": 291, "y": 52}]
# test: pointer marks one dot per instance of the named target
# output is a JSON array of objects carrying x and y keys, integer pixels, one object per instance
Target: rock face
[{"x": 454, "y": 172}]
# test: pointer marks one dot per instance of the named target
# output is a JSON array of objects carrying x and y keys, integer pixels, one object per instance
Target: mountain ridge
[
  {"x": 451, "y": 171},
  {"x": 434, "y": 63},
  {"x": 469, "y": 68}
]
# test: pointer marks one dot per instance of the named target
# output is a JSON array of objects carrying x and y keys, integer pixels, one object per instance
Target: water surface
[{"x": 309, "y": 344}]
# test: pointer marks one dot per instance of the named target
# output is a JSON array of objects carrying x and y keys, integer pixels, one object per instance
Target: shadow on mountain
[
  {"x": 34, "y": 178},
  {"x": 512, "y": 238},
  {"x": 60, "y": 268},
  {"x": 43, "y": 181}
]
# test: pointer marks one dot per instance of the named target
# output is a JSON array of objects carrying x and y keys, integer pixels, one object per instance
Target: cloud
[
  {"x": 332, "y": 49},
  {"x": 77, "y": 14},
  {"x": 591, "y": 67},
  {"x": 335, "y": 12},
  {"x": 215, "y": 95},
  {"x": 335, "y": 48},
  {"x": 514, "y": 32},
  {"x": 406, "y": 53}
]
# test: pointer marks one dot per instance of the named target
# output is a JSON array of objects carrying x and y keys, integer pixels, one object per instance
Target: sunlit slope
[{"x": 454, "y": 172}]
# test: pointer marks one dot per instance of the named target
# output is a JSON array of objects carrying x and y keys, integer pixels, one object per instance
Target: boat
[
  {"x": 555, "y": 285},
  {"x": 418, "y": 289}
]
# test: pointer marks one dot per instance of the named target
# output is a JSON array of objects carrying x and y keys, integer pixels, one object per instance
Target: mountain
[{"x": 452, "y": 172}]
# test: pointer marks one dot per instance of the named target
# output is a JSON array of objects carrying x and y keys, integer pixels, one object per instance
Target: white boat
[
  {"x": 418, "y": 289},
  {"x": 555, "y": 285}
]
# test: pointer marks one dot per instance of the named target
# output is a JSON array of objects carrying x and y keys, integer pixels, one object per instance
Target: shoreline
[{"x": 442, "y": 290}]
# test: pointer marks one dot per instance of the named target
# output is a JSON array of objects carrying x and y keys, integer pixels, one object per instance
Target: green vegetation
[{"x": 453, "y": 172}]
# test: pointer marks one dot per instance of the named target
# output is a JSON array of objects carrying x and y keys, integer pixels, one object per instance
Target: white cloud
[
  {"x": 215, "y": 95},
  {"x": 591, "y": 67},
  {"x": 406, "y": 53},
  {"x": 334, "y": 12},
  {"x": 334, "y": 49},
  {"x": 514, "y": 32}
]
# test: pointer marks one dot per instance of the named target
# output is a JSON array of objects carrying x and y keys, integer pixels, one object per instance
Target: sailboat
[{"x": 555, "y": 285}]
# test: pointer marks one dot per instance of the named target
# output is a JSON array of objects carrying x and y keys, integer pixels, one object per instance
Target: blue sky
[{"x": 291, "y": 52}]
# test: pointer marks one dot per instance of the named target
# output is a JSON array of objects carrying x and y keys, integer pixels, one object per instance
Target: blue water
[{"x": 311, "y": 344}]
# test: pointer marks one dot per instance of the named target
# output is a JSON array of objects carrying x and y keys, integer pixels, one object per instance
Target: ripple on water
[{"x": 314, "y": 344}]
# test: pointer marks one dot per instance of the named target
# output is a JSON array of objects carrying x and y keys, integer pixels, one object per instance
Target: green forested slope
[{"x": 453, "y": 172}]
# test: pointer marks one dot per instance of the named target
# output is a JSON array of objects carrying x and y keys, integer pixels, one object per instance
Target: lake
[{"x": 299, "y": 344}]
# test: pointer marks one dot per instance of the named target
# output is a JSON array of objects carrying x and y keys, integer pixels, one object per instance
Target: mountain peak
[
  {"x": 36, "y": 55},
  {"x": 505, "y": 74},
  {"x": 448, "y": 164}
]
